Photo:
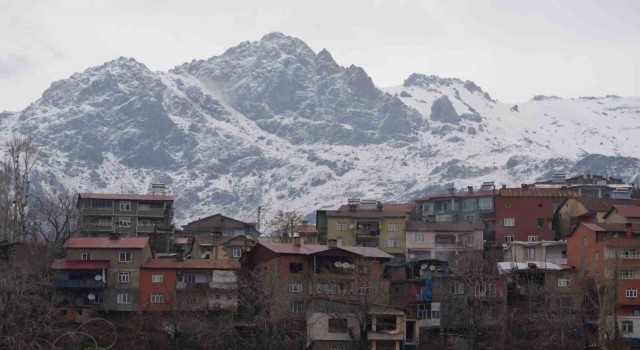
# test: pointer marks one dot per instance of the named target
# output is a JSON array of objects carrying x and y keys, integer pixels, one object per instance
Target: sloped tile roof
[
  {"x": 537, "y": 192},
  {"x": 628, "y": 211}
]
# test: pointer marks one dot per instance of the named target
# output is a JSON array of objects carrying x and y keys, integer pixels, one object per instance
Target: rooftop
[
  {"x": 310, "y": 249},
  {"x": 203, "y": 264},
  {"x": 461, "y": 194},
  {"x": 386, "y": 207},
  {"x": 628, "y": 211},
  {"x": 107, "y": 243},
  {"x": 133, "y": 197},
  {"x": 604, "y": 204},
  {"x": 606, "y": 227},
  {"x": 538, "y": 192}
]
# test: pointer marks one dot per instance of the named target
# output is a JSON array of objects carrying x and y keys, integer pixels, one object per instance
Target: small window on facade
[
  {"x": 508, "y": 238},
  {"x": 295, "y": 267},
  {"x": 457, "y": 288},
  {"x": 631, "y": 292},
  {"x": 337, "y": 325},
  {"x": 364, "y": 290},
  {"x": 125, "y": 257},
  {"x": 157, "y": 278},
  {"x": 418, "y": 238},
  {"x": 123, "y": 298},
  {"x": 509, "y": 222},
  {"x": 533, "y": 238},
  {"x": 295, "y": 287},
  {"x": 341, "y": 242},
  {"x": 341, "y": 226},
  {"x": 123, "y": 277},
  {"x": 564, "y": 282},
  {"x": 529, "y": 253},
  {"x": 124, "y": 222},
  {"x": 392, "y": 243},
  {"x": 125, "y": 206},
  {"x": 156, "y": 298},
  {"x": 627, "y": 326},
  {"x": 86, "y": 256},
  {"x": 236, "y": 252},
  {"x": 393, "y": 227},
  {"x": 295, "y": 307}
]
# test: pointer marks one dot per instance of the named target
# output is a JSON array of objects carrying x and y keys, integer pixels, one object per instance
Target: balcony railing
[
  {"x": 155, "y": 212},
  {"x": 192, "y": 286},
  {"x": 88, "y": 283},
  {"x": 96, "y": 211},
  {"x": 335, "y": 291},
  {"x": 98, "y": 227},
  {"x": 556, "y": 256}
]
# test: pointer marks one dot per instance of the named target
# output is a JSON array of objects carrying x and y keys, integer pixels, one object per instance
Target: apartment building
[
  {"x": 554, "y": 252},
  {"x": 442, "y": 240},
  {"x": 584, "y": 209},
  {"x": 222, "y": 225}
]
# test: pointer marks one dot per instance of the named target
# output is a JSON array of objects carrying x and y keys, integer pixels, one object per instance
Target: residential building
[
  {"x": 213, "y": 246},
  {"x": 333, "y": 325},
  {"x": 554, "y": 252},
  {"x": 368, "y": 223},
  {"x": 442, "y": 240},
  {"x": 589, "y": 185},
  {"x": 526, "y": 214},
  {"x": 580, "y": 209},
  {"x": 224, "y": 225},
  {"x": 308, "y": 233},
  {"x": 170, "y": 285},
  {"x": 456, "y": 206},
  {"x": 100, "y": 274},
  {"x": 608, "y": 253},
  {"x": 623, "y": 214},
  {"x": 129, "y": 215}
]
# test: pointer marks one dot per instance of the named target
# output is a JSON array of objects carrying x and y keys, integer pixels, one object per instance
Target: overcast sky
[{"x": 512, "y": 49}]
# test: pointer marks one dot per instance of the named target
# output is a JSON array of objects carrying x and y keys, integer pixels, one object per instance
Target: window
[
  {"x": 533, "y": 238},
  {"x": 564, "y": 282},
  {"x": 126, "y": 257},
  {"x": 627, "y": 274},
  {"x": 418, "y": 238},
  {"x": 541, "y": 225},
  {"x": 337, "y": 325},
  {"x": 295, "y": 287},
  {"x": 393, "y": 227},
  {"x": 508, "y": 238},
  {"x": 445, "y": 240},
  {"x": 295, "y": 267},
  {"x": 124, "y": 222},
  {"x": 485, "y": 289},
  {"x": 102, "y": 203},
  {"x": 364, "y": 290},
  {"x": 236, "y": 252},
  {"x": 584, "y": 241},
  {"x": 470, "y": 217},
  {"x": 636, "y": 312},
  {"x": 628, "y": 253},
  {"x": 123, "y": 277},
  {"x": 104, "y": 222},
  {"x": 469, "y": 204},
  {"x": 440, "y": 218},
  {"x": 486, "y": 203},
  {"x": 627, "y": 326},
  {"x": 392, "y": 243},
  {"x": 631, "y": 292},
  {"x": 125, "y": 206},
  {"x": 508, "y": 222},
  {"x": 457, "y": 288},
  {"x": 529, "y": 253},
  {"x": 157, "y": 278},
  {"x": 85, "y": 256},
  {"x": 156, "y": 298},
  {"x": 341, "y": 241},
  {"x": 295, "y": 307},
  {"x": 123, "y": 298},
  {"x": 341, "y": 226}
]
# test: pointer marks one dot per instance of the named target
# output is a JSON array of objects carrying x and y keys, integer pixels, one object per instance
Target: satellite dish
[
  {"x": 423, "y": 267},
  {"x": 432, "y": 268},
  {"x": 91, "y": 297},
  {"x": 513, "y": 265},
  {"x": 204, "y": 255},
  {"x": 412, "y": 256},
  {"x": 353, "y": 266},
  {"x": 338, "y": 264},
  {"x": 504, "y": 245},
  {"x": 98, "y": 278}
]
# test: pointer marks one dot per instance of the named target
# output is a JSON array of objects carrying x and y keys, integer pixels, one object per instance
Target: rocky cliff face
[{"x": 271, "y": 123}]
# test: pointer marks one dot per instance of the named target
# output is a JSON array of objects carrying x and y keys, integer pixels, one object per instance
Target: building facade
[{"x": 442, "y": 240}]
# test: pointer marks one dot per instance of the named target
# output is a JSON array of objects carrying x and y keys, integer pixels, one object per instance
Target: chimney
[
  {"x": 379, "y": 206},
  {"x": 629, "y": 228},
  {"x": 504, "y": 186},
  {"x": 332, "y": 243},
  {"x": 296, "y": 241},
  {"x": 470, "y": 189},
  {"x": 452, "y": 190}
]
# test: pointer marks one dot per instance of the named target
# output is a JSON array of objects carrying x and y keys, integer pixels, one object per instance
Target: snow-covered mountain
[{"x": 271, "y": 123}]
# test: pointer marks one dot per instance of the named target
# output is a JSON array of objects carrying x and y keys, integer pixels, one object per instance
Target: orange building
[{"x": 167, "y": 285}]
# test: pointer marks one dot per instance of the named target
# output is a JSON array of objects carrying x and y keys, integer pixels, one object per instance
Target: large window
[
  {"x": 428, "y": 312},
  {"x": 102, "y": 203},
  {"x": 125, "y": 257},
  {"x": 337, "y": 325},
  {"x": 123, "y": 298},
  {"x": 341, "y": 226},
  {"x": 469, "y": 205},
  {"x": 392, "y": 243},
  {"x": 486, "y": 203},
  {"x": 104, "y": 222},
  {"x": 529, "y": 253},
  {"x": 631, "y": 292},
  {"x": 156, "y": 298},
  {"x": 509, "y": 222},
  {"x": 295, "y": 287},
  {"x": 627, "y": 326},
  {"x": 445, "y": 240},
  {"x": 418, "y": 238},
  {"x": 123, "y": 277}
]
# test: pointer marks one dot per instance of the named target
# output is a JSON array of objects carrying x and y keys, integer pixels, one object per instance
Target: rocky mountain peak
[{"x": 425, "y": 81}]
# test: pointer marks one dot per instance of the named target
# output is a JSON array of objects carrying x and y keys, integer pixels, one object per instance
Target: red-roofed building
[
  {"x": 623, "y": 214},
  {"x": 99, "y": 274},
  {"x": 130, "y": 215},
  {"x": 167, "y": 285}
]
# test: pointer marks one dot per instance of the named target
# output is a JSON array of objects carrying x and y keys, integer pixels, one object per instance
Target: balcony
[
  {"x": 192, "y": 286},
  {"x": 155, "y": 212},
  {"x": 98, "y": 227},
  {"x": 88, "y": 283},
  {"x": 96, "y": 211}
]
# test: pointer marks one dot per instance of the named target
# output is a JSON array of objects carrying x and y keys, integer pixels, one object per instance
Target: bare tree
[
  {"x": 55, "y": 218},
  {"x": 284, "y": 224}
]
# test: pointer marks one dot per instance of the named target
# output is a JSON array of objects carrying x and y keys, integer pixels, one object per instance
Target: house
[
  {"x": 623, "y": 214},
  {"x": 333, "y": 325},
  {"x": 580, "y": 209},
  {"x": 608, "y": 254},
  {"x": 307, "y": 232},
  {"x": 170, "y": 285},
  {"x": 589, "y": 185},
  {"x": 526, "y": 214},
  {"x": 99, "y": 274},
  {"x": 212, "y": 246},
  {"x": 129, "y": 215},
  {"x": 469, "y": 205},
  {"x": 224, "y": 225},
  {"x": 554, "y": 252},
  {"x": 370, "y": 223},
  {"x": 442, "y": 240}
]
